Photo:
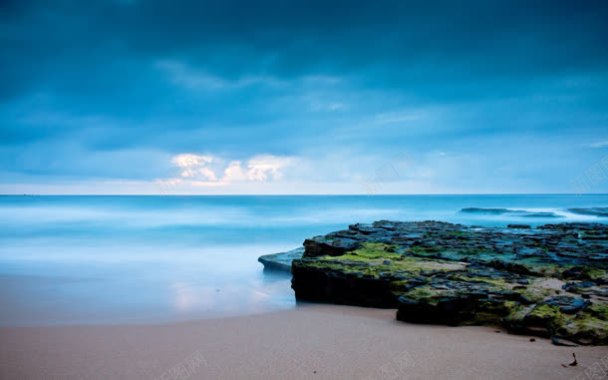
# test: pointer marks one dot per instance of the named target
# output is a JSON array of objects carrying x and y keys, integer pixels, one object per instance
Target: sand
[{"x": 310, "y": 342}]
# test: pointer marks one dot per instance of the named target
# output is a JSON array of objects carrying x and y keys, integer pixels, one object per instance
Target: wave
[
  {"x": 512, "y": 212},
  {"x": 601, "y": 212},
  {"x": 577, "y": 214}
]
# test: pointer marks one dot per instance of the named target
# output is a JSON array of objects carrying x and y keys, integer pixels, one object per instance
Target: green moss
[
  {"x": 422, "y": 292},
  {"x": 517, "y": 313},
  {"x": 420, "y": 250},
  {"x": 547, "y": 315},
  {"x": 599, "y": 310},
  {"x": 597, "y": 274},
  {"x": 496, "y": 283},
  {"x": 376, "y": 258},
  {"x": 585, "y": 323},
  {"x": 545, "y": 311},
  {"x": 372, "y": 251},
  {"x": 425, "y": 294},
  {"x": 585, "y": 328},
  {"x": 512, "y": 306}
]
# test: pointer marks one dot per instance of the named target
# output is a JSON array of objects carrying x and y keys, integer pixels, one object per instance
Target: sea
[{"x": 72, "y": 260}]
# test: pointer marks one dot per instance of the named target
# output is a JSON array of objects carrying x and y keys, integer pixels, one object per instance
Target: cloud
[
  {"x": 332, "y": 90},
  {"x": 267, "y": 167},
  {"x": 210, "y": 170},
  {"x": 235, "y": 172},
  {"x": 195, "y": 166}
]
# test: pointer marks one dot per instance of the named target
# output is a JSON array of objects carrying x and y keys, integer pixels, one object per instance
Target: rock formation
[{"x": 549, "y": 281}]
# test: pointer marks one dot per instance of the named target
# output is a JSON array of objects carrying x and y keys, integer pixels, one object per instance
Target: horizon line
[{"x": 281, "y": 194}]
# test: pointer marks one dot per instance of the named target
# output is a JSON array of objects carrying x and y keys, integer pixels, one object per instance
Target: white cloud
[
  {"x": 195, "y": 166},
  {"x": 209, "y": 170},
  {"x": 265, "y": 167},
  {"x": 335, "y": 172},
  {"x": 234, "y": 172}
]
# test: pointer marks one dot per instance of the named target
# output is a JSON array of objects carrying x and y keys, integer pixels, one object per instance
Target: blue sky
[{"x": 290, "y": 97}]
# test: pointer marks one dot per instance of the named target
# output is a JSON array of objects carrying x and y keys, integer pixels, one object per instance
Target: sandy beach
[{"x": 310, "y": 342}]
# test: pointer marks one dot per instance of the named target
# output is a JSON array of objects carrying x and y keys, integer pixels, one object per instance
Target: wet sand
[{"x": 310, "y": 342}]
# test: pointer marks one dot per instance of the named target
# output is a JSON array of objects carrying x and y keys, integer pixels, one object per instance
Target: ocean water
[{"x": 130, "y": 259}]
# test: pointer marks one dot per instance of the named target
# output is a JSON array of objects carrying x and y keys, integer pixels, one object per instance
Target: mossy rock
[{"x": 541, "y": 281}]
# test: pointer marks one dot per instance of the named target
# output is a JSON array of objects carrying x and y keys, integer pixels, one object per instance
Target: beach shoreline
[{"x": 311, "y": 341}]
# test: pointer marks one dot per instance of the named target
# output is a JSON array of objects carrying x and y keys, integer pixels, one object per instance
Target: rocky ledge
[
  {"x": 281, "y": 261},
  {"x": 550, "y": 281}
]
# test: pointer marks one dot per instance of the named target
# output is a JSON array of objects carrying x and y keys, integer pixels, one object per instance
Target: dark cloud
[
  {"x": 294, "y": 78},
  {"x": 403, "y": 43}
]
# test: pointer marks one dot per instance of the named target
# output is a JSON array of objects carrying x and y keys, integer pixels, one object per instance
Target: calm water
[{"x": 76, "y": 260}]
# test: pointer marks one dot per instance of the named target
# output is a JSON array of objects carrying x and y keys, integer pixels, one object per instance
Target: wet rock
[
  {"x": 281, "y": 261},
  {"x": 355, "y": 287},
  {"x": 567, "y": 304},
  {"x": 548, "y": 281},
  {"x": 577, "y": 286},
  {"x": 448, "y": 310},
  {"x": 519, "y": 226},
  {"x": 561, "y": 342},
  {"x": 332, "y": 246}
]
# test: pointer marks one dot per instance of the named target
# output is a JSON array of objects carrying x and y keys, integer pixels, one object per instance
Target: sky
[{"x": 303, "y": 97}]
